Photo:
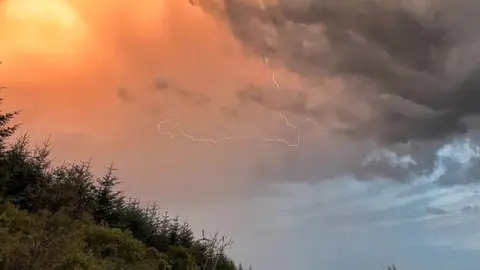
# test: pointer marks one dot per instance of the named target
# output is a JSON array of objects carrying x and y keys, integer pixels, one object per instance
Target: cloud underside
[{"x": 415, "y": 69}]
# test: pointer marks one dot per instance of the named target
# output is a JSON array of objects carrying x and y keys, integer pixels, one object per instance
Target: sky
[{"x": 317, "y": 134}]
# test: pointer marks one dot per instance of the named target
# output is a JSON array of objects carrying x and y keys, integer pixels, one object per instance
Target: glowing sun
[{"x": 40, "y": 27}]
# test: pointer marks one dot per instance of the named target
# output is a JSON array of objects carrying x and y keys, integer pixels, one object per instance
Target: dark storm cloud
[
  {"x": 292, "y": 101},
  {"x": 400, "y": 52},
  {"x": 401, "y": 162},
  {"x": 398, "y": 127}
]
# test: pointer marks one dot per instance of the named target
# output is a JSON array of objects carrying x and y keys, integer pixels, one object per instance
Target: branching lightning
[
  {"x": 286, "y": 121},
  {"x": 165, "y": 132},
  {"x": 225, "y": 138}
]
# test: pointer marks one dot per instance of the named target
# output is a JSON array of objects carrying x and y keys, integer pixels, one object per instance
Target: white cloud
[{"x": 344, "y": 223}]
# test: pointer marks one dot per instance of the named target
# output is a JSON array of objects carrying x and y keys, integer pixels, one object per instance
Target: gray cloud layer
[
  {"x": 424, "y": 57},
  {"x": 415, "y": 65}
]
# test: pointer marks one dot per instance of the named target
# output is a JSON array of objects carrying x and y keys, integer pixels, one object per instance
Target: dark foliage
[{"x": 63, "y": 217}]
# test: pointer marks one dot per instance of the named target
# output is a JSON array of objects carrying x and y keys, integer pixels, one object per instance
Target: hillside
[{"x": 64, "y": 217}]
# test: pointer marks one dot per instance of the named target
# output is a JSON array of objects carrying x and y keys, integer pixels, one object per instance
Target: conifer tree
[
  {"x": 109, "y": 200},
  {"x": 5, "y": 130}
]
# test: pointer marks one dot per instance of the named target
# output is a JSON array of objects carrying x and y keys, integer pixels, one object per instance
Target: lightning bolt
[
  {"x": 227, "y": 138},
  {"x": 165, "y": 132},
  {"x": 189, "y": 136},
  {"x": 275, "y": 81},
  {"x": 315, "y": 123},
  {"x": 183, "y": 133},
  {"x": 286, "y": 121},
  {"x": 307, "y": 120}
]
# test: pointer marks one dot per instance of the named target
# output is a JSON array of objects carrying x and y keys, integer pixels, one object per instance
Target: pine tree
[
  {"x": 186, "y": 237},
  {"x": 6, "y": 131},
  {"x": 174, "y": 231},
  {"x": 109, "y": 201}
]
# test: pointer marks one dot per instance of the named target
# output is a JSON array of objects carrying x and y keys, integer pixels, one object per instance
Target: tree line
[{"x": 64, "y": 217}]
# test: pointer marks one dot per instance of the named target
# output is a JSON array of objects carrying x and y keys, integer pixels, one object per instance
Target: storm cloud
[{"x": 421, "y": 53}]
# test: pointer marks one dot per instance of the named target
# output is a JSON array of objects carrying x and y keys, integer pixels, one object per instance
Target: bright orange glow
[
  {"x": 40, "y": 27},
  {"x": 65, "y": 60}
]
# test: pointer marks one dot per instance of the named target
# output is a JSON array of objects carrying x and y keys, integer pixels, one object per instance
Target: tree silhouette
[{"x": 62, "y": 217}]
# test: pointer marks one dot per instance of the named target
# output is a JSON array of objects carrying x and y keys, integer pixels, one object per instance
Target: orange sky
[{"x": 64, "y": 62}]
